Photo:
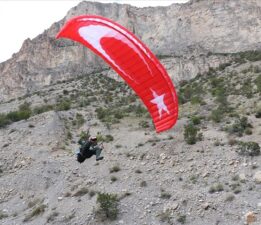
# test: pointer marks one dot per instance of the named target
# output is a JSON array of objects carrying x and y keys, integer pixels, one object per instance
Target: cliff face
[{"x": 185, "y": 32}]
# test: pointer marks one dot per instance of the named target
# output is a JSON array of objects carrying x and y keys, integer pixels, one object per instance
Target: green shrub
[
  {"x": 257, "y": 114},
  {"x": 64, "y": 105},
  {"x": 42, "y": 109},
  {"x": 65, "y": 92},
  {"x": 216, "y": 82},
  {"x": 224, "y": 65},
  {"x": 193, "y": 179},
  {"x": 35, "y": 212},
  {"x": 190, "y": 92},
  {"x": 143, "y": 183},
  {"x": 84, "y": 135},
  {"x": 240, "y": 126},
  {"x": 139, "y": 110},
  {"x": 191, "y": 135},
  {"x": 113, "y": 178},
  {"x": 18, "y": 115},
  {"x": 248, "y": 148},
  {"x": 196, "y": 100},
  {"x": 4, "y": 121},
  {"x": 195, "y": 120},
  {"x": 108, "y": 138},
  {"x": 138, "y": 171},
  {"x": 108, "y": 206},
  {"x": 92, "y": 193},
  {"x": 258, "y": 83},
  {"x": 247, "y": 88},
  {"x": 144, "y": 124},
  {"x": 69, "y": 135},
  {"x": 248, "y": 131},
  {"x": 52, "y": 217},
  {"x": 3, "y": 215},
  {"x": 118, "y": 114},
  {"x": 165, "y": 216},
  {"x": 79, "y": 120},
  {"x": 217, "y": 187},
  {"x": 23, "y": 113},
  {"x": 181, "y": 219},
  {"x": 217, "y": 115},
  {"x": 115, "y": 169},
  {"x": 109, "y": 114},
  {"x": 251, "y": 55},
  {"x": 236, "y": 187},
  {"x": 165, "y": 195},
  {"x": 25, "y": 107}
]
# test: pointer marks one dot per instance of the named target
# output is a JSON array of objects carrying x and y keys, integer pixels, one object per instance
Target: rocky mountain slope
[
  {"x": 206, "y": 170},
  {"x": 191, "y": 33}
]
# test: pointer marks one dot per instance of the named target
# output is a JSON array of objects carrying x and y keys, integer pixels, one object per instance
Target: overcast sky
[{"x": 22, "y": 19}]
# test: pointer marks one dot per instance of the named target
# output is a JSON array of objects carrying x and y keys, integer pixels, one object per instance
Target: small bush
[
  {"x": 79, "y": 120},
  {"x": 182, "y": 219},
  {"x": 3, "y": 215},
  {"x": 4, "y": 121},
  {"x": 191, "y": 135},
  {"x": 240, "y": 126},
  {"x": 248, "y": 55},
  {"x": 144, "y": 124},
  {"x": 193, "y": 179},
  {"x": 165, "y": 195},
  {"x": 195, "y": 120},
  {"x": 108, "y": 138},
  {"x": 216, "y": 188},
  {"x": 143, "y": 183},
  {"x": 232, "y": 141},
  {"x": 69, "y": 135},
  {"x": 108, "y": 206},
  {"x": 115, "y": 169},
  {"x": 257, "y": 114},
  {"x": 165, "y": 216},
  {"x": 113, "y": 178},
  {"x": 258, "y": 83},
  {"x": 18, "y": 115},
  {"x": 85, "y": 135},
  {"x": 42, "y": 109},
  {"x": 52, "y": 217},
  {"x": 35, "y": 212},
  {"x": 65, "y": 92},
  {"x": 235, "y": 186},
  {"x": 63, "y": 105},
  {"x": 248, "y": 148},
  {"x": 92, "y": 193},
  {"x": 217, "y": 115},
  {"x": 23, "y": 113},
  {"x": 196, "y": 100},
  {"x": 138, "y": 171}
]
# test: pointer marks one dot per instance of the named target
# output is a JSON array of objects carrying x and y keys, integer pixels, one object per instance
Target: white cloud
[{"x": 22, "y": 19}]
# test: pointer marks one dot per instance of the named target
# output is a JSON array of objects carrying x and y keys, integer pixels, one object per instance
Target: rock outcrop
[{"x": 183, "y": 32}]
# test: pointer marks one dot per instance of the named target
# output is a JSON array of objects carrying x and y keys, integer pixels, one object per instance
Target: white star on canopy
[{"x": 159, "y": 101}]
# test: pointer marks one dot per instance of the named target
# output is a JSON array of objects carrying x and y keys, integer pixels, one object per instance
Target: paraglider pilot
[{"x": 88, "y": 148}]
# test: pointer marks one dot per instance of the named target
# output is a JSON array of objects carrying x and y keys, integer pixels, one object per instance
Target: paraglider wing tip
[
  {"x": 62, "y": 33},
  {"x": 58, "y": 35}
]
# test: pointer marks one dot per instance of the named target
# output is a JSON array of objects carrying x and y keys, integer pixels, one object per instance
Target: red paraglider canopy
[{"x": 132, "y": 60}]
